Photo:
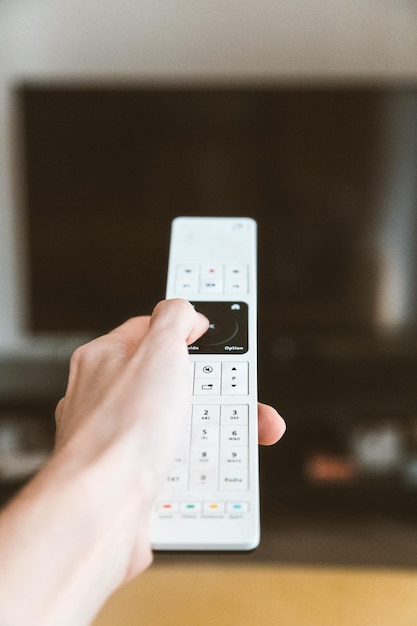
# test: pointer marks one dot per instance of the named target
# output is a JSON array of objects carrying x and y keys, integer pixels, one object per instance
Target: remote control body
[{"x": 211, "y": 497}]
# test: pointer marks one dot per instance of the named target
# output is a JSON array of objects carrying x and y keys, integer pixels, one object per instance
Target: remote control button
[
  {"x": 233, "y": 479},
  {"x": 191, "y": 508},
  {"x": 236, "y": 435},
  {"x": 236, "y": 279},
  {"x": 236, "y": 288},
  {"x": 206, "y": 413},
  {"x": 234, "y": 414},
  {"x": 211, "y": 278},
  {"x": 211, "y": 286},
  {"x": 205, "y": 435},
  {"x": 186, "y": 279},
  {"x": 211, "y": 369},
  {"x": 204, "y": 457},
  {"x": 207, "y": 387},
  {"x": 167, "y": 507},
  {"x": 211, "y": 508},
  {"x": 237, "y": 507},
  {"x": 236, "y": 456},
  {"x": 203, "y": 480},
  {"x": 235, "y": 379},
  {"x": 211, "y": 270},
  {"x": 177, "y": 480}
]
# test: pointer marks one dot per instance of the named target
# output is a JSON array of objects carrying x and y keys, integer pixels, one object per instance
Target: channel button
[{"x": 235, "y": 379}]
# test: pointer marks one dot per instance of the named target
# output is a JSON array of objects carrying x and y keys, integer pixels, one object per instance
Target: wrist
[{"x": 77, "y": 523}]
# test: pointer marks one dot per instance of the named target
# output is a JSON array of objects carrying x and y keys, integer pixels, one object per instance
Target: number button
[
  {"x": 236, "y": 456},
  {"x": 204, "y": 457},
  {"x": 206, "y": 414},
  {"x": 234, "y": 414},
  {"x": 205, "y": 434},
  {"x": 203, "y": 480},
  {"x": 234, "y": 435}
]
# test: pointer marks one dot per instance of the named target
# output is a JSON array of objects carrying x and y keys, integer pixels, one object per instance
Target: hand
[
  {"x": 127, "y": 395},
  {"x": 85, "y": 515},
  {"x": 116, "y": 348}
]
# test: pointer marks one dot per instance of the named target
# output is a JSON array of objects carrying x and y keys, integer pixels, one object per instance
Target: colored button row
[{"x": 201, "y": 508}]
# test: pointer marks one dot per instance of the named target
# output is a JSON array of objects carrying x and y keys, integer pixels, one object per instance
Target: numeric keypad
[{"x": 214, "y": 451}]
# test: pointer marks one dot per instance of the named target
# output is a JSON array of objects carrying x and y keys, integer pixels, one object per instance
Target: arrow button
[{"x": 235, "y": 379}]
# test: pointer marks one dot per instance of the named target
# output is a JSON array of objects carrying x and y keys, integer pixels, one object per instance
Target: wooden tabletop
[{"x": 262, "y": 595}]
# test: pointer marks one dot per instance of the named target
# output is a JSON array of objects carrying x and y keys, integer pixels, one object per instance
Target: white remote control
[{"x": 211, "y": 497}]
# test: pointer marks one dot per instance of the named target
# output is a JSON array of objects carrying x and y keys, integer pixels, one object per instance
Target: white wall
[{"x": 335, "y": 40}]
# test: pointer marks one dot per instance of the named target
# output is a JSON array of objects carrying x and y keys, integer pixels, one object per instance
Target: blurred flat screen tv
[{"x": 106, "y": 168}]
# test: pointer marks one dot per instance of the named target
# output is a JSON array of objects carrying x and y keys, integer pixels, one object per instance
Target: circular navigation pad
[
  {"x": 228, "y": 331},
  {"x": 223, "y": 326}
]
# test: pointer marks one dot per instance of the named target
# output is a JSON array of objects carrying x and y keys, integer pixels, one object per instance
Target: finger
[
  {"x": 271, "y": 426},
  {"x": 201, "y": 327},
  {"x": 178, "y": 318}
]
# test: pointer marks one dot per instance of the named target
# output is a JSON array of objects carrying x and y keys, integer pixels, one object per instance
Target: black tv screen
[{"x": 107, "y": 168}]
